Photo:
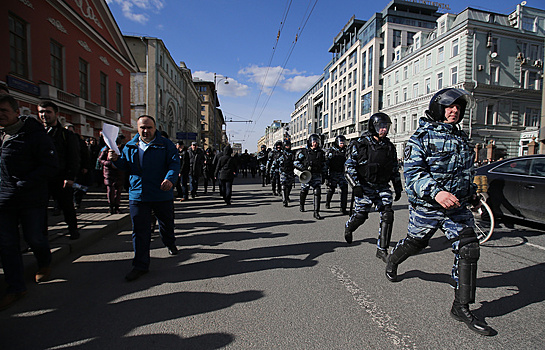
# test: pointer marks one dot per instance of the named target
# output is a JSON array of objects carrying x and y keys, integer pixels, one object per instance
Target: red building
[{"x": 70, "y": 52}]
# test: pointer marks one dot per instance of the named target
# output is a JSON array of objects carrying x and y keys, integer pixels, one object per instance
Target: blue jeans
[
  {"x": 141, "y": 228},
  {"x": 226, "y": 189},
  {"x": 193, "y": 184},
  {"x": 33, "y": 222}
]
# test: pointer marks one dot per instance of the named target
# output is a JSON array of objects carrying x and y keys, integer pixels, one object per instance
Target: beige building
[
  {"x": 212, "y": 120},
  {"x": 163, "y": 90}
]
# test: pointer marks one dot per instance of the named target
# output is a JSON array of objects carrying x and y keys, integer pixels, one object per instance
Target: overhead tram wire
[
  {"x": 297, "y": 35},
  {"x": 282, "y": 23}
]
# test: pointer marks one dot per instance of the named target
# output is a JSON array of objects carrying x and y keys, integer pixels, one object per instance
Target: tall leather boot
[
  {"x": 328, "y": 198},
  {"x": 460, "y": 312},
  {"x": 317, "y": 197},
  {"x": 386, "y": 225},
  {"x": 302, "y": 199},
  {"x": 344, "y": 200},
  {"x": 409, "y": 246},
  {"x": 285, "y": 195},
  {"x": 352, "y": 224}
]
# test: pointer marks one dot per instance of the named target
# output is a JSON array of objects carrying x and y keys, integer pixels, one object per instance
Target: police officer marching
[
  {"x": 335, "y": 159},
  {"x": 370, "y": 165},
  {"x": 438, "y": 169},
  {"x": 284, "y": 165},
  {"x": 262, "y": 158},
  {"x": 274, "y": 173},
  {"x": 312, "y": 158}
]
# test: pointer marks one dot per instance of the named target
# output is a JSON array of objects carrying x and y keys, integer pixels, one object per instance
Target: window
[
  {"x": 415, "y": 121},
  {"x": 529, "y": 23},
  {"x": 403, "y": 124},
  {"x": 427, "y": 84},
  {"x": 416, "y": 67},
  {"x": 405, "y": 73},
  {"x": 534, "y": 52},
  {"x": 442, "y": 27},
  {"x": 439, "y": 81},
  {"x": 203, "y": 108},
  {"x": 428, "y": 61},
  {"x": 396, "y": 74},
  {"x": 494, "y": 75},
  {"x": 370, "y": 68},
  {"x": 349, "y": 80},
  {"x": 520, "y": 167},
  {"x": 533, "y": 82},
  {"x": 363, "y": 69},
  {"x": 417, "y": 42},
  {"x": 118, "y": 98},
  {"x": 495, "y": 45},
  {"x": 454, "y": 75},
  {"x": 415, "y": 90},
  {"x": 440, "y": 54},
  {"x": 532, "y": 116},
  {"x": 202, "y": 88},
  {"x": 56, "y": 64},
  {"x": 404, "y": 94},
  {"x": 83, "y": 79},
  {"x": 366, "y": 103},
  {"x": 490, "y": 115},
  {"x": 397, "y": 38},
  {"x": 388, "y": 100},
  {"x": 454, "y": 50},
  {"x": 18, "y": 53},
  {"x": 103, "y": 89},
  {"x": 396, "y": 97},
  {"x": 410, "y": 36}
]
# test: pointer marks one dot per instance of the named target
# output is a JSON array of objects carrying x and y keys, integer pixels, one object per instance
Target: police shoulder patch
[{"x": 407, "y": 151}]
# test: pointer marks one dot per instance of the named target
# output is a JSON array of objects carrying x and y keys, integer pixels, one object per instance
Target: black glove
[
  {"x": 398, "y": 195},
  {"x": 475, "y": 201},
  {"x": 357, "y": 191}
]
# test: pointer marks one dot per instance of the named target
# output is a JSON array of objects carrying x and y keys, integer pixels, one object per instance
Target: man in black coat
[
  {"x": 225, "y": 173},
  {"x": 67, "y": 145},
  {"x": 28, "y": 160},
  {"x": 183, "y": 178},
  {"x": 196, "y": 162}
]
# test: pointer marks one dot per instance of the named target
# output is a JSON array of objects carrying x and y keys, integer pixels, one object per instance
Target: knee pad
[{"x": 387, "y": 215}]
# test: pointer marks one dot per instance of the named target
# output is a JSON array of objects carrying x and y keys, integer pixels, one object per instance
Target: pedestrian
[
  {"x": 82, "y": 177},
  {"x": 335, "y": 159},
  {"x": 152, "y": 163},
  {"x": 274, "y": 173},
  {"x": 208, "y": 170},
  {"x": 196, "y": 162},
  {"x": 312, "y": 158},
  {"x": 283, "y": 164},
  {"x": 28, "y": 159},
  {"x": 68, "y": 150},
  {"x": 225, "y": 173},
  {"x": 438, "y": 171},
  {"x": 371, "y": 164},
  {"x": 183, "y": 177},
  {"x": 244, "y": 163},
  {"x": 262, "y": 158},
  {"x": 113, "y": 178}
]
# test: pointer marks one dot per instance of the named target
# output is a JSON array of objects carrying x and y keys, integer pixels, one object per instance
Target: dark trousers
[
  {"x": 193, "y": 184},
  {"x": 113, "y": 192},
  {"x": 181, "y": 186},
  {"x": 226, "y": 190},
  {"x": 34, "y": 225},
  {"x": 65, "y": 197},
  {"x": 141, "y": 228}
]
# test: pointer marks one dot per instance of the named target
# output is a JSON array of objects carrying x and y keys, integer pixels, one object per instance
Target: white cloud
[
  {"x": 233, "y": 89},
  {"x": 289, "y": 80},
  {"x": 131, "y": 7}
]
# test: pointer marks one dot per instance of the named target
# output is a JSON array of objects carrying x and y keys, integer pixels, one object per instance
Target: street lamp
[{"x": 216, "y": 81}]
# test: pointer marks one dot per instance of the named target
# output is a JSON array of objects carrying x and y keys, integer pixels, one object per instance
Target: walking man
[{"x": 153, "y": 164}]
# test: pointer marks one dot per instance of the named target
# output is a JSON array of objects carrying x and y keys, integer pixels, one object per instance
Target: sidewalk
[{"x": 94, "y": 222}]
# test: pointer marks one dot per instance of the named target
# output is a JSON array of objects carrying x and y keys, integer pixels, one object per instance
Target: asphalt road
[{"x": 255, "y": 275}]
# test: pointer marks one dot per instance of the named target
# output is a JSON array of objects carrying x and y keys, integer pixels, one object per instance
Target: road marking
[
  {"x": 381, "y": 318},
  {"x": 535, "y": 246}
]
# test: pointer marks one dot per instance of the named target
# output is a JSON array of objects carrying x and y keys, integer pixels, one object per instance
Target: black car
[{"x": 516, "y": 187}]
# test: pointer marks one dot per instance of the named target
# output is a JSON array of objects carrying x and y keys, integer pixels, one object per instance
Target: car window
[
  {"x": 538, "y": 168},
  {"x": 515, "y": 167}
]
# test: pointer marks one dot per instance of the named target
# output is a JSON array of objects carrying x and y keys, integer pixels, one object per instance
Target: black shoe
[
  {"x": 344, "y": 211},
  {"x": 302, "y": 208},
  {"x": 135, "y": 274},
  {"x": 327, "y": 205},
  {"x": 382, "y": 254},
  {"x": 461, "y": 312},
  {"x": 347, "y": 235},
  {"x": 285, "y": 203},
  {"x": 173, "y": 250},
  {"x": 317, "y": 216},
  {"x": 112, "y": 210},
  {"x": 74, "y": 235},
  {"x": 391, "y": 271}
]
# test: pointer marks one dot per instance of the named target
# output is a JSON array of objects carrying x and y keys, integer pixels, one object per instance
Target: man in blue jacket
[
  {"x": 28, "y": 160},
  {"x": 152, "y": 163}
]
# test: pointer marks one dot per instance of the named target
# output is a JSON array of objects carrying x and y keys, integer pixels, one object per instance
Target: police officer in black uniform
[
  {"x": 312, "y": 158},
  {"x": 262, "y": 158},
  {"x": 335, "y": 159},
  {"x": 284, "y": 164},
  {"x": 274, "y": 173},
  {"x": 370, "y": 165}
]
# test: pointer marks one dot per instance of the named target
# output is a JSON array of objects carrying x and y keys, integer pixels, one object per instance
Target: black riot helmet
[
  {"x": 379, "y": 121},
  {"x": 287, "y": 144},
  {"x": 340, "y": 139},
  {"x": 263, "y": 147},
  {"x": 448, "y": 97},
  {"x": 313, "y": 138},
  {"x": 278, "y": 145}
]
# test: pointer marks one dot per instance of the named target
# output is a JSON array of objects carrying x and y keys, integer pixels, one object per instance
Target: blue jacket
[
  {"x": 160, "y": 162},
  {"x": 438, "y": 157}
]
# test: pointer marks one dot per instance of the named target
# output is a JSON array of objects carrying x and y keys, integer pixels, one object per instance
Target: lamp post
[{"x": 216, "y": 81}]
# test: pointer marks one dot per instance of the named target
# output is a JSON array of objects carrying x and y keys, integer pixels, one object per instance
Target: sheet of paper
[{"x": 110, "y": 132}]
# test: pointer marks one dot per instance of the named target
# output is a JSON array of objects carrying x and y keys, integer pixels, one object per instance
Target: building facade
[
  {"x": 71, "y": 53},
  {"x": 212, "y": 120},
  {"x": 163, "y": 90}
]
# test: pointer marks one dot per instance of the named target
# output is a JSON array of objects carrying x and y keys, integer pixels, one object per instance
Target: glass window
[
  {"x": 538, "y": 167},
  {"x": 528, "y": 23},
  {"x": 404, "y": 94},
  {"x": 370, "y": 68},
  {"x": 454, "y": 75},
  {"x": 427, "y": 83},
  {"x": 363, "y": 69},
  {"x": 454, "y": 48},
  {"x": 532, "y": 116},
  {"x": 416, "y": 67},
  {"x": 428, "y": 61},
  {"x": 397, "y": 38},
  {"x": 439, "y": 80},
  {"x": 516, "y": 167},
  {"x": 396, "y": 74},
  {"x": 405, "y": 73},
  {"x": 18, "y": 53},
  {"x": 410, "y": 36},
  {"x": 415, "y": 90},
  {"x": 494, "y": 75},
  {"x": 83, "y": 79},
  {"x": 440, "y": 54},
  {"x": 103, "y": 89},
  {"x": 366, "y": 103},
  {"x": 490, "y": 115},
  {"x": 56, "y": 64}
]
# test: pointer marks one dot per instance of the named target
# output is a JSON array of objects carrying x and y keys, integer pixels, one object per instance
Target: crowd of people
[{"x": 39, "y": 160}]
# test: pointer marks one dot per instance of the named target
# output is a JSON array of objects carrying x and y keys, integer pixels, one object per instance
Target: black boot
[
  {"x": 344, "y": 200},
  {"x": 302, "y": 199},
  {"x": 461, "y": 312},
  {"x": 285, "y": 196},
  {"x": 328, "y": 198},
  {"x": 410, "y": 246},
  {"x": 317, "y": 197},
  {"x": 382, "y": 254},
  {"x": 352, "y": 224}
]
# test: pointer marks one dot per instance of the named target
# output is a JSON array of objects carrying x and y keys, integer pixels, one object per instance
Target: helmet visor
[
  {"x": 453, "y": 96},
  {"x": 382, "y": 128}
]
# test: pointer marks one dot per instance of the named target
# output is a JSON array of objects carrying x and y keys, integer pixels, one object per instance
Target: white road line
[
  {"x": 382, "y": 319},
  {"x": 535, "y": 246}
]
